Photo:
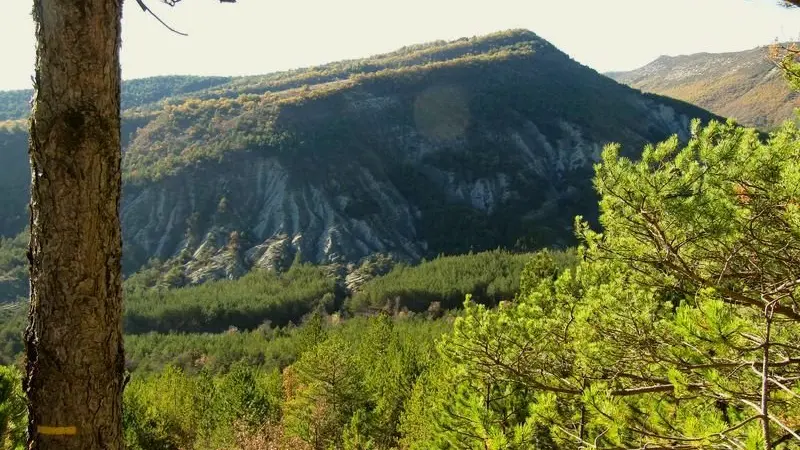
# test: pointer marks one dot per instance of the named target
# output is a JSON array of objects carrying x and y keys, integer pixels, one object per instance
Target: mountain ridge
[
  {"x": 744, "y": 85},
  {"x": 450, "y": 147}
]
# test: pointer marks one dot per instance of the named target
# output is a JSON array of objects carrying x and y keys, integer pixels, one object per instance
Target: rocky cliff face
[
  {"x": 257, "y": 212},
  {"x": 447, "y": 148},
  {"x": 743, "y": 85}
]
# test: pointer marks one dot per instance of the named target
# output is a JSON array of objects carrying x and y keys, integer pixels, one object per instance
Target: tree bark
[{"x": 73, "y": 341}]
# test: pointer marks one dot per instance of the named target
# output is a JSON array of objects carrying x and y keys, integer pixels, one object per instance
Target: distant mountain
[
  {"x": 743, "y": 85},
  {"x": 16, "y": 104},
  {"x": 444, "y": 147}
]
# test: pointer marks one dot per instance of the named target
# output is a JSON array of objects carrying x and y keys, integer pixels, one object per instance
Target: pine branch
[{"x": 146, "y": 9}]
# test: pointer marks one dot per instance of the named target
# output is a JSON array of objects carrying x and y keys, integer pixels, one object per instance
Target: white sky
[{"x": 260, "y": 36}]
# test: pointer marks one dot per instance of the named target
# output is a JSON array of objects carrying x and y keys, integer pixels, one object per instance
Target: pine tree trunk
[{"x": 74, "y": 339}]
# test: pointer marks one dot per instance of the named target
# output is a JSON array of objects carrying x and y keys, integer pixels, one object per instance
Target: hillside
[
  {"x": 444, "y": 147},
  {"x": 743, "y": 85}
]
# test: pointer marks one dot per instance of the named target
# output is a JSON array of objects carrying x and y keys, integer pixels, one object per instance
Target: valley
[{"x": 477, "y": 243}]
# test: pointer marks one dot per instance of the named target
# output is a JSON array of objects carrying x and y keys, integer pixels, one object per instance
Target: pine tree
[{"x": 678, "y": 329}]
